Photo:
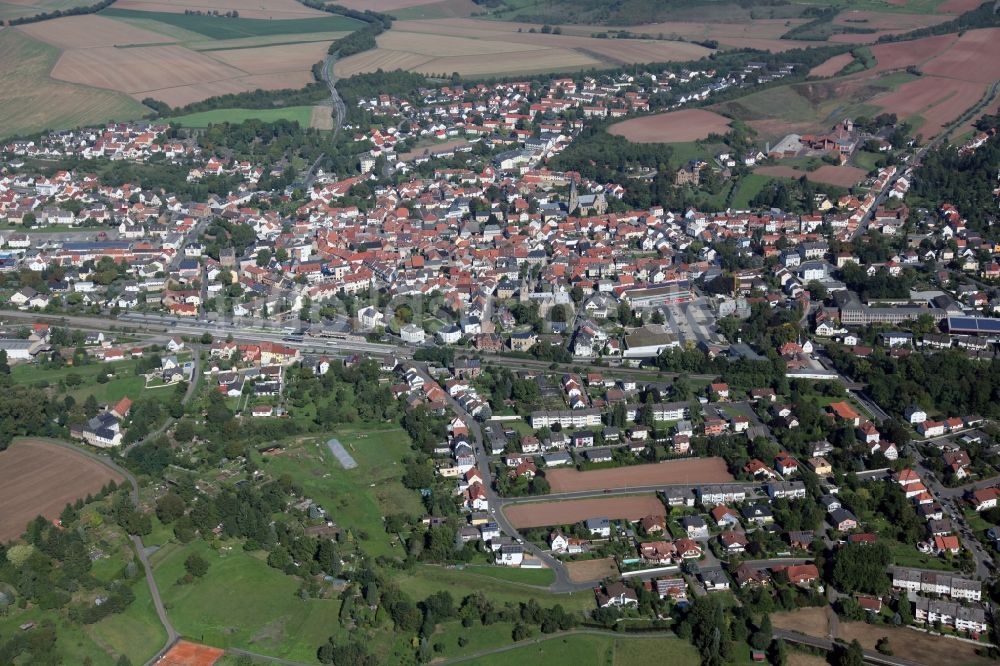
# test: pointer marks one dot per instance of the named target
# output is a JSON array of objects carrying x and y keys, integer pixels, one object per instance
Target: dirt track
[
  {"x": 37, "y": 477},
  {"x": 693, "y": 471},
  {"x": 543, "y": 514}
]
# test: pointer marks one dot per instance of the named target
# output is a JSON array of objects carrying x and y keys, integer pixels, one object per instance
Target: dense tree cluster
[
  {"x": 949, "y": 380},
  {"x": 965, "y": 180}
]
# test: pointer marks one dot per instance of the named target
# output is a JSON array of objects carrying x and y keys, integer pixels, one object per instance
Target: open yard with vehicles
[
  {"x": 691, "y": 471},
  {"x": 543, "y": 514},
  {"x": 683, "y": 125}
]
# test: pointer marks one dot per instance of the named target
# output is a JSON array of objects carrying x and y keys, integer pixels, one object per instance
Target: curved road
[
  {"x": 172, "y": 635},
  {"x": 188, "y": 394}
]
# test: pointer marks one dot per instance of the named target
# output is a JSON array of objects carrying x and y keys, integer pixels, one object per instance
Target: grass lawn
[
  {"x": 976, "y": 521},
  {"x": 300, "y": 114},
  {"x": 242, "y": 602},
  {"x": 907, "y": 556},
  {"x": 748, "y": 187},
  {"x": 866, "y": 160},
  {"x": 136, "y": 633},
  {"x": 540, "y": 577},
  {"x": 26, "y": 373},
  {"x": 587, "y": 650},
  {"x": 426, "y": 579},
  {"x": 124, "y": 384},
  {"x": 31, "y": 101},
  {"x": 220, "y": 27},
  {"x": 359, "y": 498}
]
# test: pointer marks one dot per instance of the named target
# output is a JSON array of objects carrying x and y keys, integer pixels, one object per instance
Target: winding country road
[
  {"x": 339, "y": 109},
  {"x": 168, "y": 627}
]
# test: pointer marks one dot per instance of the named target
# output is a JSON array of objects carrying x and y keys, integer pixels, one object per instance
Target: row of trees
[{"x": 57, "y": 13}]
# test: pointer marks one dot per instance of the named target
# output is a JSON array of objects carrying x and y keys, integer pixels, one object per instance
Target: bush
[{"x": 196, "y": 565}]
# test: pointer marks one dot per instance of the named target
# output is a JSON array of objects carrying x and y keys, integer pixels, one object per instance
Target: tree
[
  {"x": 883, "y": 646},
  {"x": 169, "y": 508},
  {"x": 707, "y": 625},
  {"x": 206, "y": 338},
  {"x": 762, "y": 637},
  {"x": 851, "y": 655},
  {"x": 196, "y": 565}
]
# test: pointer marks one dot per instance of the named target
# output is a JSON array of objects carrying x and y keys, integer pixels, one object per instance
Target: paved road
[
  {"x": 339, "y": 109},
  {"x": 562, "y": 584},
  {"x": 871, "y": 656},
  {"x": 188, "y": 394}
]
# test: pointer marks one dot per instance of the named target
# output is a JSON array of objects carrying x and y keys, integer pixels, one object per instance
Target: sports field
[{"x": 40, "y": 478}]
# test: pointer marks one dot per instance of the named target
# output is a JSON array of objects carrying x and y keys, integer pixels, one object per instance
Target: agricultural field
[
  {"x": 38, "y": 477},
  {"x": 259, "y": 9},
  {"x": 906, "y": 644},
  {"x": 30, "y": 100},
  {"x": 675, "y": 126},
  {"x": 471, "y": 47},
  {"x": 222, "y": 28},
  {"x": 841, "y": 176},
  {"x": 107, "y": 63},
  {"x": 832, "y": 66},
  {"x": 544, "y": 514},
  {"x": 690, "y": 471},
  {"x": 21, "y": 8}
]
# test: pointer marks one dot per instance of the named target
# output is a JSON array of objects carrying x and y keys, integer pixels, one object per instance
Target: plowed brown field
[
  {"x": 543, "y": 514},
  {"x": 39, "y": 478},
  {"x": 691, "y": 471},
  {"x": 683, "y": 125}
]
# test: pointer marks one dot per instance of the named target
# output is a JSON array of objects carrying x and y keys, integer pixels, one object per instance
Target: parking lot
[{"x": 692, "y": 322}]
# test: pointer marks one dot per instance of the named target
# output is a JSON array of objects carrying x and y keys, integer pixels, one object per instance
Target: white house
[
  {"x": 915, "y": 415},
  {"x": 412, "y": 334},
  {"x": 450, "y": 335},
  {"x": 510, "y": 556},
  {"x": 371, "y": 318}
]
